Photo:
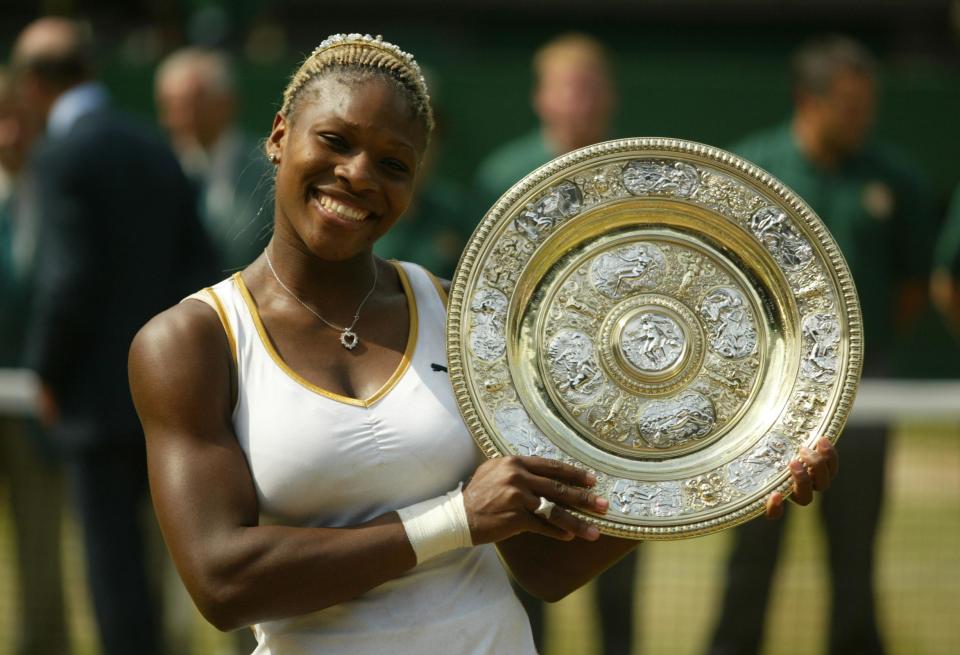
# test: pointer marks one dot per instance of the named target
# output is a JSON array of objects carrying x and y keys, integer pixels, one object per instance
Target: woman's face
[{"x": 349, "y": 155}]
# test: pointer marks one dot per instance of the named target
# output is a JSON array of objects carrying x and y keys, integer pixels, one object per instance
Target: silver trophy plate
[{"x": 664, "y": 314}]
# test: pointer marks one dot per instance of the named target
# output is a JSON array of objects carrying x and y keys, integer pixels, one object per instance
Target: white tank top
[{"x": 321, "y": 459}]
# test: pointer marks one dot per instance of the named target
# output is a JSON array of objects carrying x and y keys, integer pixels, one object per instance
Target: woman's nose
[{"x": 357, "y": 171}]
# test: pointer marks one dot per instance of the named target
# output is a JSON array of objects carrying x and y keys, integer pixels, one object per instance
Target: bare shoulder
[
  {"x": 179, "y": 359},
  {"x": 187, "y": 330}
]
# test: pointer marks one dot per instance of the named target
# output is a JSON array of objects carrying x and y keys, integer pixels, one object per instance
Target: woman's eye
[
  {"x": 334, "y": 141},
  {"x": 396, "y": 166}
]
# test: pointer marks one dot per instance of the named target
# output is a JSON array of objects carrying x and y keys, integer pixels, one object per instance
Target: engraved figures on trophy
[
  {"x": 731, "y": 329},
  {"x": 573, "y": 366},
  {"x": 821, "y": 337},
  {"x": 505, "y": 261},
  {"x": 805, "y": 410},
  {"x": 727, "y": 196},
  {"x": 811, "y": 291},
  {"x": 706, "y": 491},
  {"x": 674, "y": 421},
  {"x": 487, "y": 338},
  {"x": 661, "y": 499},
  {"x": 648, "y": 176},
  {"x": 606, "y": 418},
  {"x": 601, "y": 184},
  {"x": 697, "y": 272},
  {"x": 652, "y": 341},
  {"x": 673, "y": 347},
  {"x": 778, "y": 235},
  {"x": 622, "y": 271},
  {"x": 538, "y": 219},
  {"x": 769, "y": 457},
  {"x": 525, "y": 438},
  {"x": 574, "y": 307}
]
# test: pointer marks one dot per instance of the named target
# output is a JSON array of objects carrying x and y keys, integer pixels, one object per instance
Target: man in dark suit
[{"x": 119, "y": 242}]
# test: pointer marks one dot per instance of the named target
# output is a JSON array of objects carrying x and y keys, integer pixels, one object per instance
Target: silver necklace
[{"x": 348, "y": 338}]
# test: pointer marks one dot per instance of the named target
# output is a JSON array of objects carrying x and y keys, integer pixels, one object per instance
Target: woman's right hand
[{"x": 501, "y": 497}]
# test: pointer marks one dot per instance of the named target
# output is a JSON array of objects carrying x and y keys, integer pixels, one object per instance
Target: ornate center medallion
[
  {"x": 663, "y": 314},
  {"x": 652, "y": 341}
]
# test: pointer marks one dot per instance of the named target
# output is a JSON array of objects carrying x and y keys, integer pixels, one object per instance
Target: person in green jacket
[
  {"x": 873, "y": 201},
  {"x": 574, "y": 98}
]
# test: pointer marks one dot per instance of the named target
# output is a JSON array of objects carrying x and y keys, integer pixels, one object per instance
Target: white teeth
[{"x": 341, "y": 210}]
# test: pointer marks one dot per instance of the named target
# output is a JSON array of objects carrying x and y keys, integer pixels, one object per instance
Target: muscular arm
[
  {"x": 238, "y": 572},
  {"x": 551, "y": 569}
]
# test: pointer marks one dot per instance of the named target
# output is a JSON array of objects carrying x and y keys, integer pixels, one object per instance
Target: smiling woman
[
  {"x": 306, "y": 453},
  {"x": 347, "y": 160}
]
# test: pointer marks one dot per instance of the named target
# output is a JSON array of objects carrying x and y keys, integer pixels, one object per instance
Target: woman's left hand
[{"x": 813, "y": 471}]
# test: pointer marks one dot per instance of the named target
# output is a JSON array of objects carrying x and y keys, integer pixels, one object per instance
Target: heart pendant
[{"x": 349, "y": 339}]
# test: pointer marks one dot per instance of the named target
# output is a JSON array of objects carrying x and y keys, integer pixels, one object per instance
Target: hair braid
[{"x": 362, "y": 53}]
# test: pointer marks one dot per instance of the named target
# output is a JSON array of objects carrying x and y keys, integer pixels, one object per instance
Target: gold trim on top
[
  {"x": 296, "y": 377},
  {"x": 440, "y": 290},
  {"x": 222, "y": 314},
  {"x": 210, "y": 298}
]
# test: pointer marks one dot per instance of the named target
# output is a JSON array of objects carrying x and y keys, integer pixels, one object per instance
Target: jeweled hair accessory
[{"x": 369, "y": 41}]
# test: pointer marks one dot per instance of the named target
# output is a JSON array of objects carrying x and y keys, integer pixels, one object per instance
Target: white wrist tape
[{"x": 437, "y": 525}]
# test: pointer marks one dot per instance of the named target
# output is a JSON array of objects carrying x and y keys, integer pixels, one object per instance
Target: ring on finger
[{"x": 545, "y": 509}]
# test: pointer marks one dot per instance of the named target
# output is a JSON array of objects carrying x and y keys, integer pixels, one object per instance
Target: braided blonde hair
[{"x": 363, "y": 54}]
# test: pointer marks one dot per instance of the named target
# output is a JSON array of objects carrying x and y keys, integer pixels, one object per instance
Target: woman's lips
[{"x": 339, "y": 208}]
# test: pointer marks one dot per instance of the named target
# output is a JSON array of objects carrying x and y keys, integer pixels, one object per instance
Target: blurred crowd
[{"x": 106, "y": 220}]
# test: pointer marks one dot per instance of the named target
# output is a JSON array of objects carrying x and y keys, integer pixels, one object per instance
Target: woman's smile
[{"x": 339, "y": 209}]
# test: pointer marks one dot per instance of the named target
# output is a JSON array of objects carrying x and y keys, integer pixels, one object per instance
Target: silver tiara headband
[{"x": 366, "y": 40}]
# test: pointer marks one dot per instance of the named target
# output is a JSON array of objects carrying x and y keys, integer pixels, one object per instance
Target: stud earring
[{"x": 274, "y": 158}]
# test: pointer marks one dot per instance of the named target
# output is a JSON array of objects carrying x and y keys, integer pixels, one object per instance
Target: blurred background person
[
  {"x": 28, "y": 467},
  {"x": 197, "y": 105},
  {"x": 119, "y": 240},
  {"x": 873, "y": 200},
  {"x": 574, "y": 98}
]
